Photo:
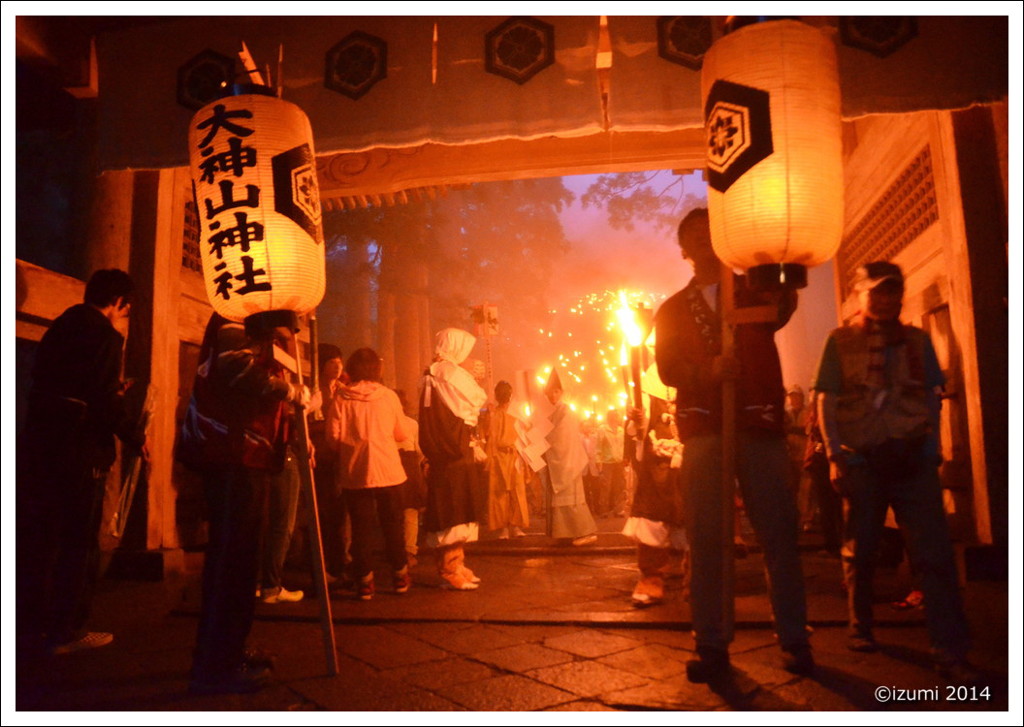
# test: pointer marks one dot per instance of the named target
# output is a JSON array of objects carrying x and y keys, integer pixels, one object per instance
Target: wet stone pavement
[{"x": 550, "y": 629}]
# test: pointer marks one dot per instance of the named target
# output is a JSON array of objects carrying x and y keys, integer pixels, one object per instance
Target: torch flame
[{"x": 627, "y": 321}]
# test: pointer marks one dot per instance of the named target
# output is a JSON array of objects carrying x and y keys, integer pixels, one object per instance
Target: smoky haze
[{"x": 551, "y": 255}]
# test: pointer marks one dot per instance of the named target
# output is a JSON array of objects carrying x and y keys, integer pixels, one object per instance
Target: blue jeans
[
  {"x": 283, "y": 505},
  {"x": 916, "y": 499},
  {"x": 762, "y": 468}
]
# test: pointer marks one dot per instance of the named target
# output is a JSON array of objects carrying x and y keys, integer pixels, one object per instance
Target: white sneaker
[
  {"x": 283, "y": 595},
  {"x": 92, "y": 640}
]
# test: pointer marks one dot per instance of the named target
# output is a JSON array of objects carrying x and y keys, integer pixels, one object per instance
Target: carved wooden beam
[{"x": 432, "y": 168}]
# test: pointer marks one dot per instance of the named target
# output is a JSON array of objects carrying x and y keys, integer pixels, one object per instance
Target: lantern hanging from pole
[
  {"x": 254, "y": 178},
  {"x": 774, "y": 150}
]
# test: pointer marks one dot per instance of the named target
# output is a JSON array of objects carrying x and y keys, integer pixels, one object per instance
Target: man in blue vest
[{"x": 878, "y": 383}]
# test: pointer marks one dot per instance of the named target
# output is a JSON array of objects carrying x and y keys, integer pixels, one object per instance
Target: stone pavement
[{"x": 550, "y": 629}]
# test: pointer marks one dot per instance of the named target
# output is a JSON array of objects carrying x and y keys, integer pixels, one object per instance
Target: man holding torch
[{"x": 689, "y": 357}]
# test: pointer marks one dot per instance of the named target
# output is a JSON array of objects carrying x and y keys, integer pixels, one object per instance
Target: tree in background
[
  {"x": 499, "y": 242},
  {"x": 657, "y": 198}
]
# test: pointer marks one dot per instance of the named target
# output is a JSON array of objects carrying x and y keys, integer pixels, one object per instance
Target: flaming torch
[{"x": 636, "y": 323}]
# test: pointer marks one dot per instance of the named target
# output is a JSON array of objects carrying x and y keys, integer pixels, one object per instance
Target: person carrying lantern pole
[
  {"x": 236, "y": 430},
  {"x": 689, "y": 357}
]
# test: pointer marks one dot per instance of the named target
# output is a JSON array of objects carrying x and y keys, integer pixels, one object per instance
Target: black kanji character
[
  {"x": 234, "y": 160},
  {"x": 220, "y": 119},
  {"x": 227, "y": 195},
  {"x": 248, "y": 276},
  {"x": 242, "y": 234},
  {"x": 223, "y": 282}
]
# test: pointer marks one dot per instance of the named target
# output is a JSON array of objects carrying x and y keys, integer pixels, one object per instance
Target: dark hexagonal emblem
[
  {"x": 203, "y": 78},
  {"x": 684, "y": 40},
  {"x": 296, "y": 193},
  {"x": 519, "y": 49},
  {"x": 877, "y": 35},
  {"x": 356, "y": 64},
  {"x": 738, "y": 124}
]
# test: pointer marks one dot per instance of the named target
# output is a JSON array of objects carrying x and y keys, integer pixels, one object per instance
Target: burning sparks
[{"x": 585, "y": 353}]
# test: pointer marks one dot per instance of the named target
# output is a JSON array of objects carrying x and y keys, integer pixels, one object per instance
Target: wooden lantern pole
[
  {"x": 728, "y": 511},
  {"x": 316, "y": 549}
]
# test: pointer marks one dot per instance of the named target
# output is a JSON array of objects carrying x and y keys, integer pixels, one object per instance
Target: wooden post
[
  {"x": 728, "y": 459},
  {"x": 316, "y": 548}
]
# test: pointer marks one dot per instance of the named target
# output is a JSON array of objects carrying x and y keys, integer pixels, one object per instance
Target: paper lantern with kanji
[
  {"x": 774, "y": 150},
  {"x": 254, "y": 177}
]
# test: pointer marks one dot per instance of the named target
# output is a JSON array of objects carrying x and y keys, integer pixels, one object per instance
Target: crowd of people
[{"x": 412, "y": 475}]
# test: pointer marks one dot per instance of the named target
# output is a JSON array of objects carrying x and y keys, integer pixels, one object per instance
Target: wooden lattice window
[
  {"x": 904, "y": 211},
  {"x": 190, "y": 256}
]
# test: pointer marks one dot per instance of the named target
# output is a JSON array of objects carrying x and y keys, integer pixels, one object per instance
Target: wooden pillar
[
  {"x": 391, "y": 283},
  {"x": 421, "y": 280},
  {"x": 980, "y": 314},
  {"x": 107, "y": 224},
  {"x": 409, "y": 363},
  {"x": 404, "y": 280},
  {"x": 150, "y": 546},
  {"x": 358, "y": 333}
]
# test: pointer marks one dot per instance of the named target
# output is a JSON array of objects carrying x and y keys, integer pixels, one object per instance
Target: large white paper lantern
[
  {"x": 774, "y": 156},
  {"x": 254, "y": 177}
]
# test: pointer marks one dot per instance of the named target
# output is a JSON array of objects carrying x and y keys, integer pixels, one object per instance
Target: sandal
[{"x": 914, "y": 599}]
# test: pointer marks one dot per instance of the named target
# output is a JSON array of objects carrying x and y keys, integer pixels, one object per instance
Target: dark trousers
[
  {"x": 611, "y": 494},
  {"x": 59, "y": 507},
  {"x": 330, "y": 504},
  {"x": 917, "y": 501},
  {"x": 761, "y": 468},
  {"x": 236, "y": 500},
  {"x": 283, "y": 502},
  {"x": 830, "y": 508},
  {"x": 365, "y": 507}
]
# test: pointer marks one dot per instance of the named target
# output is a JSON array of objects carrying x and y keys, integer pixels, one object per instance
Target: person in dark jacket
[
  {"x": 66, "y": 449},
  {"x": 689, "y": 357},
  {"x": 235, "y": 433}
]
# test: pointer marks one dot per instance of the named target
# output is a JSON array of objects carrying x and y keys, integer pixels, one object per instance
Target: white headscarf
[
  {"x": 454, "y": 344},
  {"x": 456, "y": 387}
]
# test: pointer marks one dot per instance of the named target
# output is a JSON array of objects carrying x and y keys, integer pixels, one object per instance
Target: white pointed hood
[{"x": 456, "y": 387}]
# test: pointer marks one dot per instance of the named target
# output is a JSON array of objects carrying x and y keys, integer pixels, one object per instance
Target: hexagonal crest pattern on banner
[
  {"x": 880, "y": 36},
  {"x": 684, "y": 40},
  {"x": 739, "y": 131},
  {"x": 519, "y": 49},
  {"x": 202, "y": 78},
  {"x": 355, "y": 64}
]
